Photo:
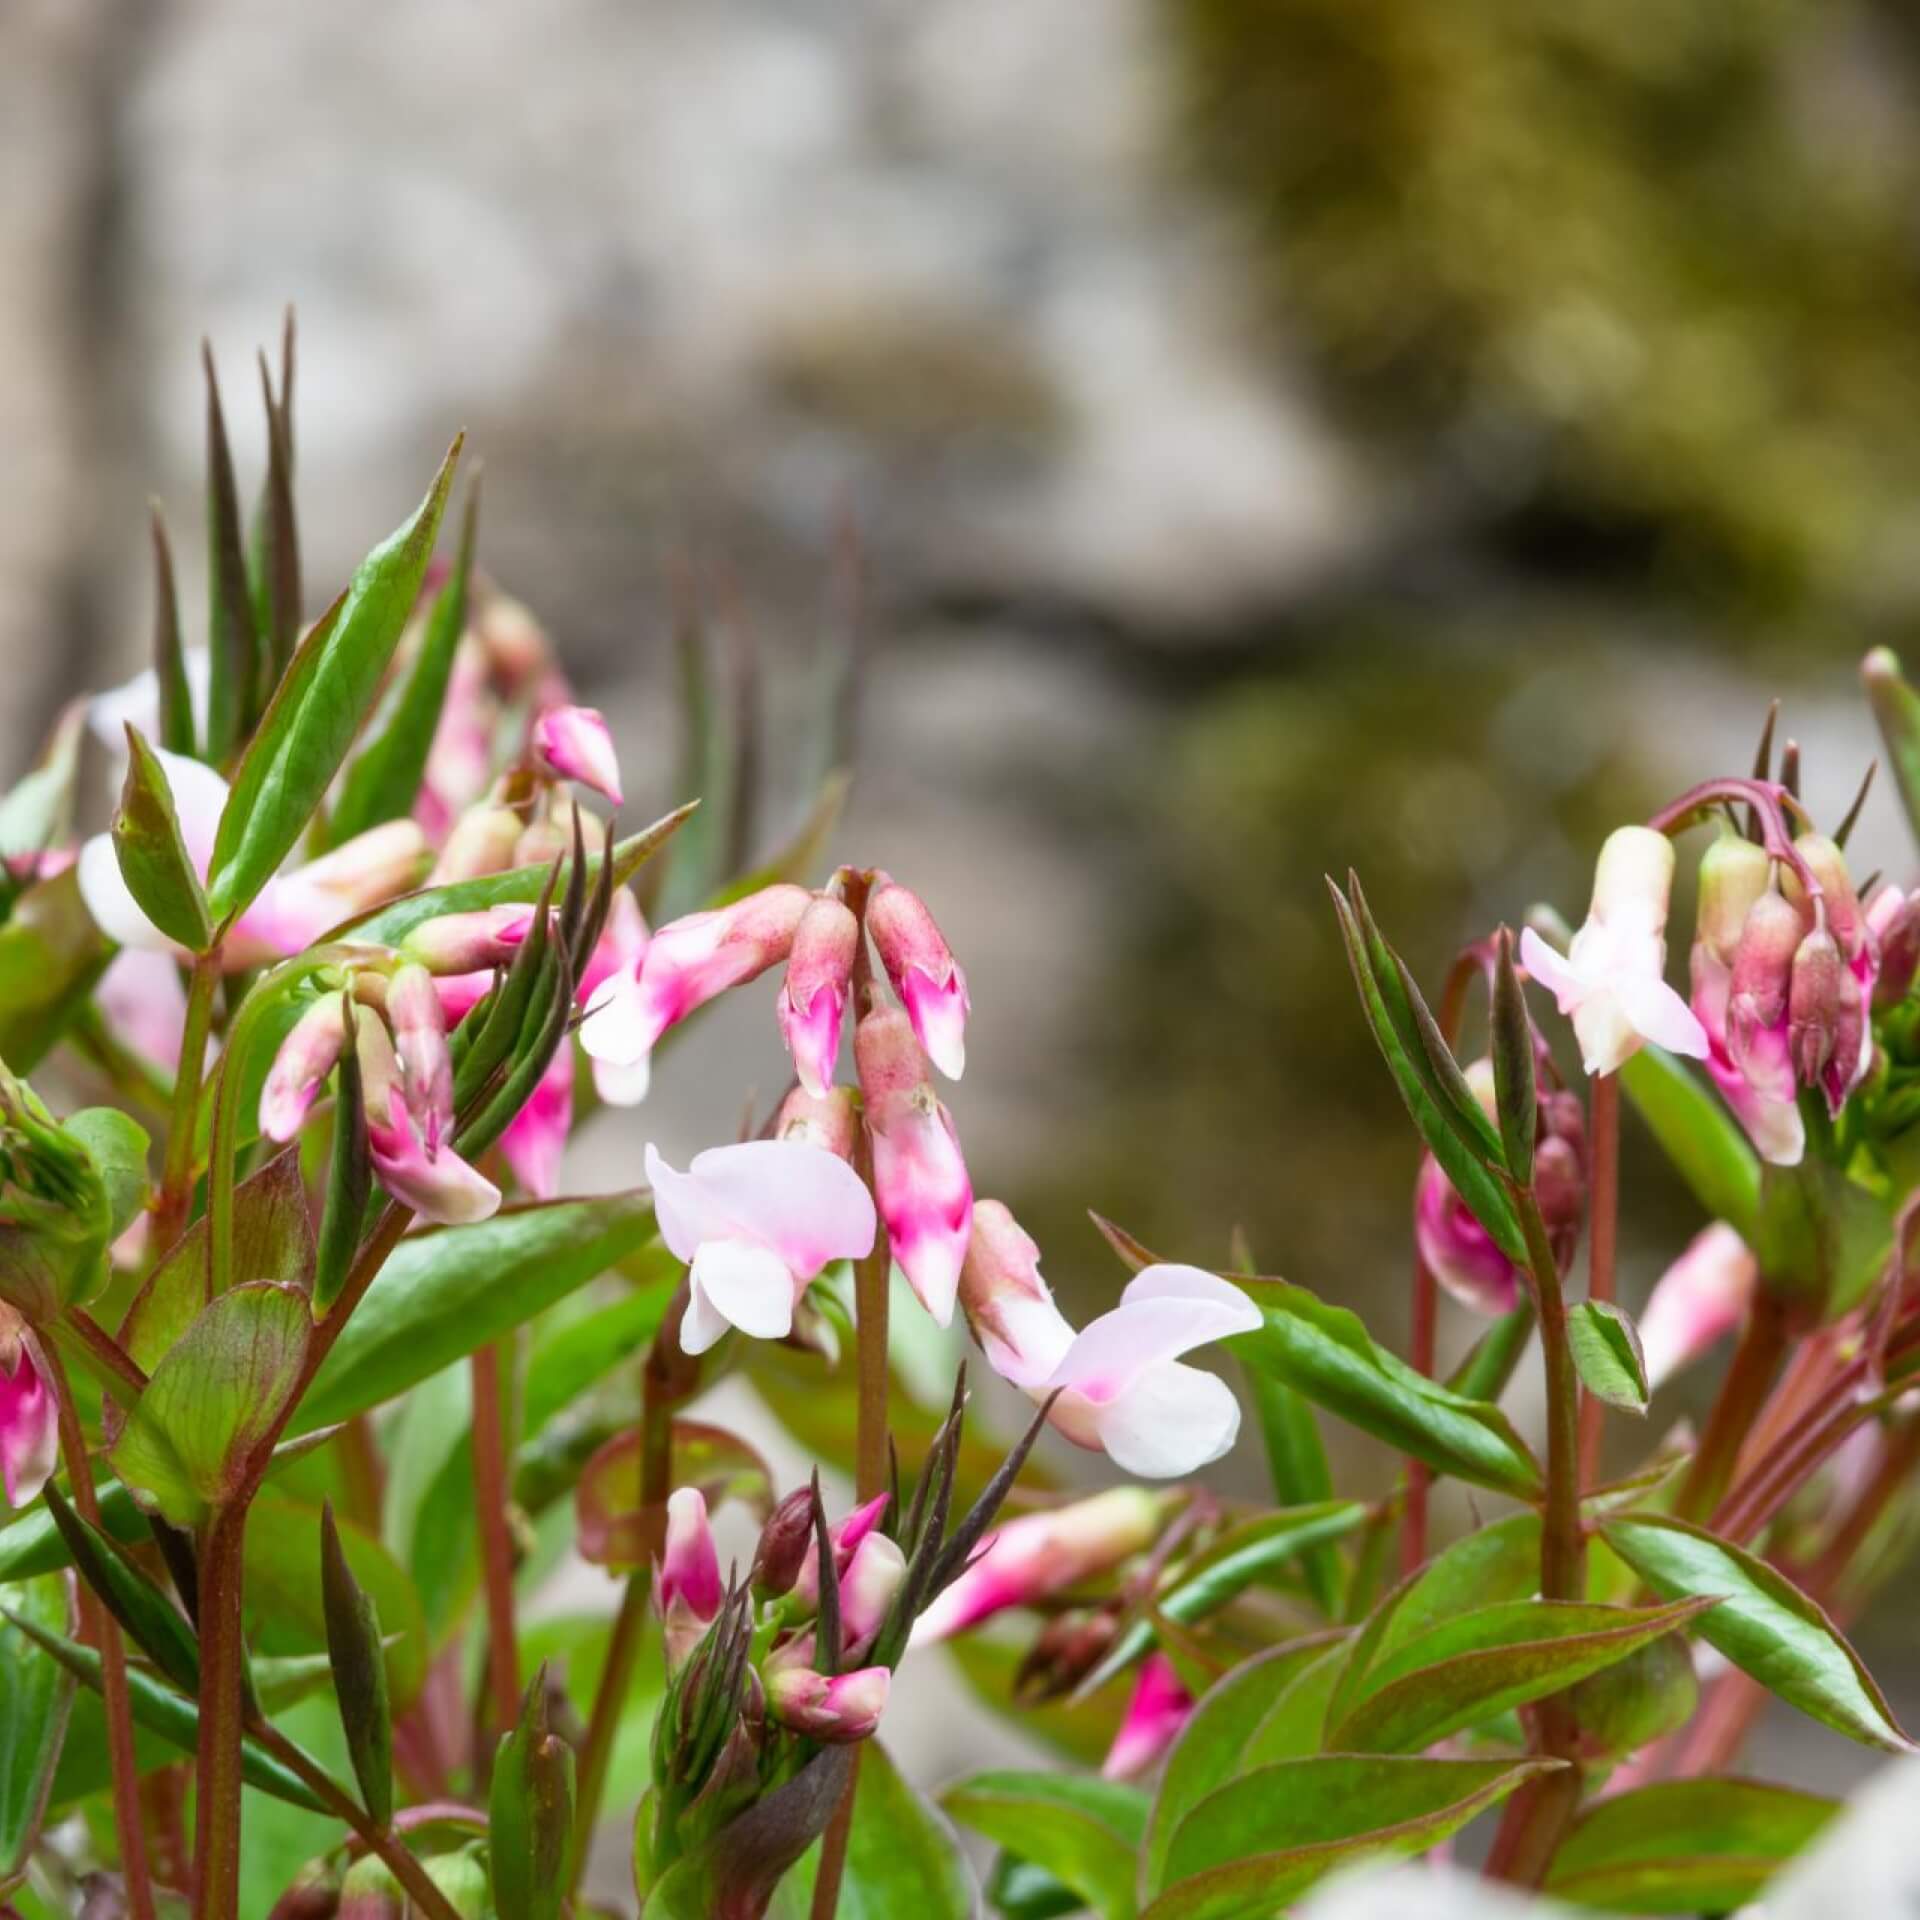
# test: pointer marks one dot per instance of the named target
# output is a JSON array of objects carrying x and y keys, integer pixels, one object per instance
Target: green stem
[
  {"x": 217, "y": 1779},
  {"x": 496, "y": 1545},
  {"x": 1603, "y": 1221},
  {"x": 176, "y": 1182}
]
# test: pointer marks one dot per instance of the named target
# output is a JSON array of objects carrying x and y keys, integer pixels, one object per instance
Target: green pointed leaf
[
  {"x": 1212, "y": 1746},
  {"x": 1698, "y": 1135},
  {"x": 175, "y": 1719},
  {"x": 1685, "y": 1846},
  {"x": 1488, "y": 1662},
  {"x": 324, "y": 696},
  {"x": 1821, "y": 1235},
  {"x": 1264, "y": 1840},
  {"x": 449, "y": 1290},
  {"x": 359, "y": 1673},
  {"x": 903, "y": 1860},
  {"x": 530, "y": 1815},
  {"x": 1086, "y": 1833},
  {"x": 1515, "y": 1097},
  {"x": 38, "y": 1693},
  {"x": 1292, "y": 1727},
  {"x": 233, "y": 641},
  {"x": 1326, "y": 1353},
  {"x": 1765, "y": 1625},
  {"x": 153, "y": 858},
  {"x": 1897, "y": 708},
  {"x": 154, "y": 1624},
  {"x": 1606, "y": 1350},
  {"x": 1228, "y": 1566},
  {"x": 1297, "y": 1466},
  {"x": 214, "y": 1397},
  {"x": 384, "y": 779},
  {"x": 349, "y": 1180},
  {"x": 1489, "y": 1365},
  {"x": 177, "y": 730},
  {"x": 275, "y": 586}
]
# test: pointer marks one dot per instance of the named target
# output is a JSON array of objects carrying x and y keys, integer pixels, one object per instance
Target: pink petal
[
  {"x": 577, "y": 744},
  {"x": 536, "y": 1137},
  {"x": 1166, "y": 1311}
]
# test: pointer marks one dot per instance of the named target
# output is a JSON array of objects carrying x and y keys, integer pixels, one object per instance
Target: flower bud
[
  {"x": 29, "y": 1420},
  {"x": 463, "y": 1883},
  {"x": 370, "y": 1892},
  {"x": 1065, "y": 1650},
  {"x": 57, "y": 1211},
  {"x": 1160, "y": 1707},
  {"x": 455, "y": 943},
  {"x": 514, "y": 643},
  {"x": 420, "y": 1040},
  {"x": 1044, "y": 1553},
  {"x": 813, "y": 1000},
  {"x": 1456, "y": 1249},
  {"x": 919, "y": 1175},
  {"x": 1009, "y": 1307},
  {"x": 844, "y": 1537},
  {"x": 830, "y": 1121},
  {"x": 687, "y": 1589},
  {"x": 575, "y": 743},
  {"x": 1734, "y": 874},
  {"x": 482, "y": 842},
  {"x": 1828, "y": 865},
  {"x": 784, "y": 1541},
  {"x": 1894, "y": 920},
  {"x": 307, "y": 1055},
  {"x": 1759, "y": 992},
  {"x": 873, "y": 1577},
  {"x": 1700, "y": 1299},
  {"x": 1813, "y": 1007},
  {"x": 314, "y": 1894},
  {"x": 839, "y": 1710},
  {"x": 1560, "y": 1192},
  {"x": 924, "y": 973},
  {"x": 372, "y": 867}
]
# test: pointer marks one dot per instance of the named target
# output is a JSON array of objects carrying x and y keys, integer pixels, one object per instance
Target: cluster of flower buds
[
  {"x": 1783, "y": 978},
  {"x": 62, "y": 1200},
  {"x": 29, "y": 1420},
  {"x": 1118, "y": 1385},
  {"x": 1457, "y": 1250}
]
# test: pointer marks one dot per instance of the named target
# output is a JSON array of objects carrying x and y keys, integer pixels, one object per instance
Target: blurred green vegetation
[{"x": 1645, "y": 271}]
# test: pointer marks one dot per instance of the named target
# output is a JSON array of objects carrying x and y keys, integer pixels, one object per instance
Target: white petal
[
  {"x": 803, "y": 1202},
  {"x": 702, "y": 1325},
  {"x": 1170, "y": 1280},
  {"x": 1608, "y": 1039},
  {"x": 623, "y": 1086},
  {"x": 1551, "y": 970},
  {"x": 1172, "y": 1420},
  {"x": 115, "y": 911},
  {"x": 1661, "y": 1016},
  {"x": 681, "y": 1205},
  {"x": 618, "y": 1028},
  {"x": 748, "y": 1286},
  {"x": 1180, "y": 1308}
]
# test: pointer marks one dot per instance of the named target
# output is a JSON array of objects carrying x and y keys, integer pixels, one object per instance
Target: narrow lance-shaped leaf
[
  {"x": 1897, "y": 708},
  {"x": 279, "y": 544},
  {"x": 322, "y": 699},
  {"x": 349, "y": 1180},
  {"x": 1606, "y": 1350},
  {"x": 153, "y": 857},
  {"x": 1765, "y": 1625},
  {"x": 1513, "y": 1081},
  {"x": 359, "y": 1673},
  {"x": 38, "y": 1693},
  {"x": 153, "y": 1622},
  {"x": 233, "y": 642},
  {"x": 383, "y": 780},
  {"x": 1297, "y": 1466},
  {"x": 177, "y": 732},
  {"x": 531, "y": 1814},
  {"x": 1086, "y": 1833}
]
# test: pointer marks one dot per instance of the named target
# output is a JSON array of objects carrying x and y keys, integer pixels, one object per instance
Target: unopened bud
[
  {"x": 1699, "y": 1300},
  {"x": 307, "y": 1055},
  {"x": 1009, "y": 1307},
  {"x": 839, "y": 1710},
  {"x": 1734, "y": 873},
  {"x": 372, "y": 867},
  {"x": 370, "y": 1892},
  {"x": 420, "y": 1040},
  {"x": 924, "y": 973},
  {"x": 813, "y": 1000},
  {"x": 576, "y": 744},
  {"x": 830, "y": 1121},
  {"x": 1828, "y": 865},
  {"x": 1894, "y": 919},
  {"x": 1064, "y": 1652},
  {"x": 1560, "y": 1192},
  {"x": 784, "y": 1541},
  {"x": 483, "y": 841},
  {"x": 1633, "y": 878},
  {"x": 687, "y": 1589},
  {"x": 455, "y": 943},
  {"x": 874, "y": 1576},
  {"x": 1160, "y": 1707},
  {"x": 1813, "y": 1007}
]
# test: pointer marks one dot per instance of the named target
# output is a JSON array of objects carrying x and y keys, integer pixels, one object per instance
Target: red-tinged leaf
[{"x": 611, "y": 1529}]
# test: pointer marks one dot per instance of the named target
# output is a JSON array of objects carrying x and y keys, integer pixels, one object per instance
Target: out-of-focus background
[{"x": 1283, "y": 434}]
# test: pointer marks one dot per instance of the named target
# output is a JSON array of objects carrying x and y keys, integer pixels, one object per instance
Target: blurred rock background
[{"x": 1283, "y": 434}]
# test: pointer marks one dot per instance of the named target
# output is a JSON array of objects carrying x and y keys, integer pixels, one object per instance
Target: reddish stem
[
  {"x": 1603, "y": 1221},
  {"x": 1742, "y": 1395},
  {"x": 217, "y": 1780},
  {"x": 496, "y": 1545},
  {"x": 1413, "y": 1518}
]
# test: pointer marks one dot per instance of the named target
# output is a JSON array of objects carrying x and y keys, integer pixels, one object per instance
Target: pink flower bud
[
  {"x": 512, "y": 642},
  {"x": 1734, "y": 875},
  {"x": 431, "y": 1179},
  {"x": 29, "y": 1423},
  {"x": 1611, "y": 981},
  {"x": 371, "y": 868},
  {"x": 1813, "y": 1007},
  {"x": 1457, "y": 1250},
  {"x": 420, "y": 1040},
  {"x": 1762, "y": 980},
  {"x": 482, "y": 842},
  {"x": 686, "y": 964},
  {"x": 867, "y": 1588},
  {"x": 687, "y": 1588},
  {"x": 1040, "y": 1554},
  {"x": 1699, "y": 1300},
  {"x": 307, "y": 1055},
  {"x": 830, "y": 1121},
  {"x": 1160, "y": 1707},
  {"x": 1893, "y": 919},
  {"x": 924, "y": 973},
  {"x": 1841, "y": 904},
  {"x": 576, "y": 744},
  {"x": 457, "y": 943},
  {"x": 839, "y": 1710},
  {"x": 845, "y": 1537},
  {"x": 1766, "y": 1107},
  {"x": 1009, "y": 1307},
  {"x": 814, "y": 998},
  {"x": 919, "y": 1175},
  {"x": 784, "y": 1544}
]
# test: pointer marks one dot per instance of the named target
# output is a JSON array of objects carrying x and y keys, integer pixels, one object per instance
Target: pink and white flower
[
  {"x": 756, "y": 1224},
  {"x": 924, "y": 972},
  {"x": 1456, "y": 1249},
  {"x": 307, "y": 1055},
  {"x": 136, "y": 703},
  {"x": 475, "y": 942},
  {"x": 29, "y": 1422},
  {"x": 1160, "y": 1707},
  {"x": 621, "y": 948},
  {"x": 143, "y": 1003},
  {"x": 1123, "y": 1389},
  {"x": 290, "y": 912},
  {"x": 1611, "y": 981},
  {"x": 575, "y": 743},
  {"x": 1698, "y": 1301},
  {"x": 813, "y": 998},
  {"x": 839, "y": 1710},
  {"x": 482, "y": 840},
  {"x": 1040, "y": 1554},
  {"x": 687, "y": 963},
  {"x": 411, "y": 1155},
  {"x": 460, "y": 760},
  {"x": 535, "y": 1140},
  {"x": 687, "y": 1588},
  {"x": 919, "y": 1174}
]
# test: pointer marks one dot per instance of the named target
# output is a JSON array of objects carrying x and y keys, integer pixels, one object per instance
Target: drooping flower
[
  {"x": 1040, "y": 1554},
  {"x": 290, "y": 912},
  {"x": 839, "y": 1710},
  {"x": 1611, "y": 981},
  {"x": 1123, "y": 1388},
  {"x": 413, "y": 1156},
  {"x": 919, "y": 1174},
  {"x": 576, "y": 744},
  {"x": 684, "y": 965},
  {"x": 687, "y": 1588},
  {"x": 1698, "y": 1301},
  {"x": 1456, "y": 1249},
  {"x": 756, "y": 1223},
  {"x": 924, "y": 972},
  {"x": 621, "y": 948},
  {"x": 29, "y": 1421},
  {"x": 307, "y": 1055},
  {"x": 813, "y": 998},
  {"x": 1160, "y": 1707}
]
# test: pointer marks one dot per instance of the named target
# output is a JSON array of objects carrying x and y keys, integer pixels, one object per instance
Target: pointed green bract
[
  {"x": 327, "y": 690},
  {"x": 1606, "y": 1350},
  {"x": 233, "y": 640},
  {"x": 530, "y": 1823},
  {"x": 152, "y": 1621},
  {"x": 359, "y": 1665},
  {"x": 153, "y": 857}
]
